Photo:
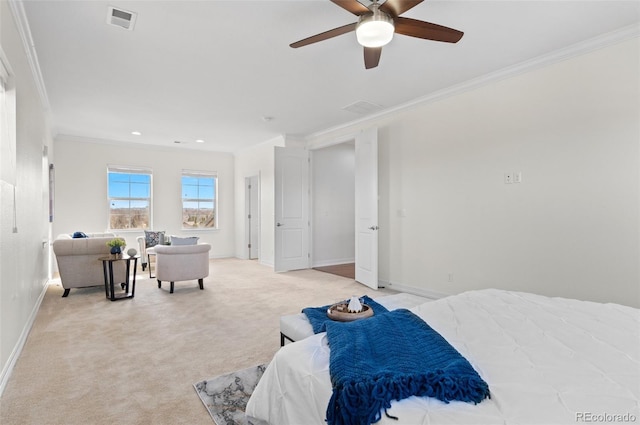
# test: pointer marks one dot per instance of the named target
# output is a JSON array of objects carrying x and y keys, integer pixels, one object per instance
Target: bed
[{"x": 546, "y": 361}]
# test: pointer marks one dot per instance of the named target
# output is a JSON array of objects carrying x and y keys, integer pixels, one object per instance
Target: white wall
[
  {"x": 81, "y": 189},
  {"x": 23, "y": 255},
  {"x": 257, "y": 161},
  {"x": 571, "y": 228},
  {"x": 333, "y": 205}
]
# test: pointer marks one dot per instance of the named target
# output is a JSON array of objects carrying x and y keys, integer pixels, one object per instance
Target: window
[
  {"x": 199, "y": 200},
  {"x": 129, "y": 198}
]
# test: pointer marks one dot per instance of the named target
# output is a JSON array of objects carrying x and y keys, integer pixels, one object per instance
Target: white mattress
[{"x": 546, "y": 360}]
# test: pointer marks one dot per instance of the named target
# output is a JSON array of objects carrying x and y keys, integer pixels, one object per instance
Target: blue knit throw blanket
[
  {"x": 318, "y": 315},
  {"x": 393, "y": 356}
]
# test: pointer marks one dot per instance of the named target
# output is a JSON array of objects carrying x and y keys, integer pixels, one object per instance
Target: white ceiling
[{"x": 212, "y": 70}]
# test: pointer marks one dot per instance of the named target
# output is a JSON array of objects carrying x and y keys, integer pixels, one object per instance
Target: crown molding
[
  {"x": 581, "y": 48},
  {"x": 20, "y": 17}
]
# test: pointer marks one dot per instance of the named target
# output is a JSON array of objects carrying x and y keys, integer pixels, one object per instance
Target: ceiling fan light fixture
[{"x": 375, "y": 29}]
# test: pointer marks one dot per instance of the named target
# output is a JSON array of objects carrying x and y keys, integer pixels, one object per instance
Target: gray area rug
[{"x": 226, "y": 396}]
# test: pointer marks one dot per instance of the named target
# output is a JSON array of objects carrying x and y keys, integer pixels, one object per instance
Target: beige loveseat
[{"x": 78, "y": 262}]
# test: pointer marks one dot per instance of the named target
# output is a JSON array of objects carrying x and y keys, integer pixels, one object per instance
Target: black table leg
[
  {"x": 113, "y": 291},
  {"x": 133, "y": 284},
  {"x": 106, "y": 279},
  {"x": 126, "y": 276}
]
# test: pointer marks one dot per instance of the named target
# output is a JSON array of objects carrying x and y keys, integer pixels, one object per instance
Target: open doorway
[
  {"x": 294, "y": 204},
  {"x": 333, "y": 209},
  {"x": 252, "y": 217}
]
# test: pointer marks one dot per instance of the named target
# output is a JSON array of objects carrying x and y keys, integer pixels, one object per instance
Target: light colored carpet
[
  {"x": 226, "y": 396},
  {"x": 90, "y": 360}
]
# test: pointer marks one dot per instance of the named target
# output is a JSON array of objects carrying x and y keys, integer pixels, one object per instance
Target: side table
[{"x": 107, "y": 266}]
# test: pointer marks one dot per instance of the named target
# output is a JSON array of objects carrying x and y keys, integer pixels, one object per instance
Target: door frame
[
  {"x": 309, "y": 148},
  {"x": 252, "y": 215},
  {"x": 312, "y": 198},
  {"x": 351, "y": 137}
]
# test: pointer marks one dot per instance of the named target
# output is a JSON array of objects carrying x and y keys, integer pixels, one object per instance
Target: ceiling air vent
[
  {"x": 121, "y": 18},
  {"x": 363, "y": 107}
]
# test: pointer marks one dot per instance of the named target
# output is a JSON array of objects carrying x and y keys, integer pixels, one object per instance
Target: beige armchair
[
  {"x": 149, "y": 240},
  {"x": 182, "y": 262},
  {"x": 78, "y": 263}
]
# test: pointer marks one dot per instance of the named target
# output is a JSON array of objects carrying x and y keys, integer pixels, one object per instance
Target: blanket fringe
[
  {"x": 364, "y": 401},
  {"x": 395, "y": 418}
]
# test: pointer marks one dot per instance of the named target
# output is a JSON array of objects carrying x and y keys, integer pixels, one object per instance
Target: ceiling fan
[{"x": 377, "y": 24}]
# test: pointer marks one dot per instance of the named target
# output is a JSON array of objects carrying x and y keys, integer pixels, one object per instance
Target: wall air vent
[
  {"x": 362, "y": 107},
  {"x": 121, "y": 18}
]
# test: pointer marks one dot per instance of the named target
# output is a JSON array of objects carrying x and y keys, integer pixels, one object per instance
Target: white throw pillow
[{"x": 193, "y": 240}]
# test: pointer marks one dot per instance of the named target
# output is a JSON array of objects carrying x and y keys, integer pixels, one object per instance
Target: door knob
[
  {"x": 373, "y": 228},
  {"x": 279, "y": 224}
]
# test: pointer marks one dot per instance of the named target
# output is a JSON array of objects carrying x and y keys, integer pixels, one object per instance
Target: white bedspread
[{"x": 546, "y": 360}]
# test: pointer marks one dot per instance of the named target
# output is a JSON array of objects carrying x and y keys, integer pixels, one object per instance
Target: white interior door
[
  {"x": 291, "y": 209},
  {"x": 367, "y": 208}
]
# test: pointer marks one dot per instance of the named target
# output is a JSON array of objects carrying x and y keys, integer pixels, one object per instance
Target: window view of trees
[
  {"x": 129, "y": 200},
  {"x": 198, "y": 201},
  {"x": 128, "y": 218},
  {"x": 129, "y": 194}
]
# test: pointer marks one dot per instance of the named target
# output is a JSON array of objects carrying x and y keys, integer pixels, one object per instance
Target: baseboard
[
  {"x": 13, "y": 358},
  {"x": 412, "y": 290},
  {"x": 334, "y": 262}
]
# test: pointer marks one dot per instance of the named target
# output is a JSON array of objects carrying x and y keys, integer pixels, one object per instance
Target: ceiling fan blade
[
  {"x": 372, "y": 56},
  {"x": 398, "y": 7},
  {"x": 427, "y": 30},
  {"x": 324, "y": 35},
  {"x": 352, "y": 6}
]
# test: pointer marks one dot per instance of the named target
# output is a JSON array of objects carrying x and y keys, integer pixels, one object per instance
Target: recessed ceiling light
[
  {"x": 136, "y": 133},
  {"x": 199, "y": 141},
  {"x": 267, "y": 118}
]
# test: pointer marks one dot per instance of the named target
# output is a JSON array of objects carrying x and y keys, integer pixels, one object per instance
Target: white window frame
[
  {"x": 130, "y": 170},
  {"x": 214, "y": 200}
]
